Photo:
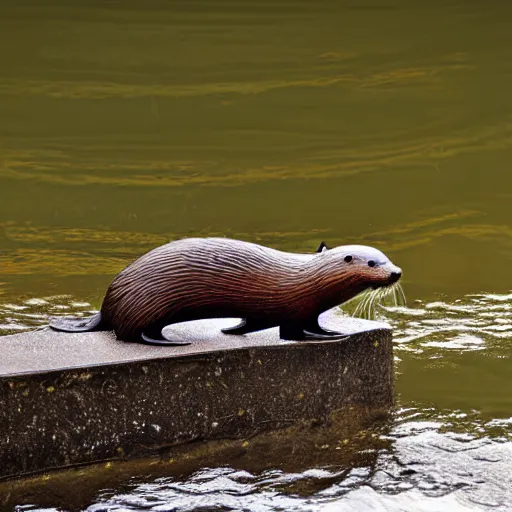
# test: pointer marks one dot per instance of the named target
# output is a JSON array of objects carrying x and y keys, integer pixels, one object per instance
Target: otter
[{"x": 198, "y": 278}]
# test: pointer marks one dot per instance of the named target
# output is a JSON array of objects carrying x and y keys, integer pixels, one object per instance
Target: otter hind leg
[
  {"x": 246, "y": 326},
  {"x": 77, "y": 324},
  {"x": 153, "y": 336}
]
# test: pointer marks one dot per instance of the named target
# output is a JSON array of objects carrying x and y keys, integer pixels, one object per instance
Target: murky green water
[{"x": 124, "y": 125}]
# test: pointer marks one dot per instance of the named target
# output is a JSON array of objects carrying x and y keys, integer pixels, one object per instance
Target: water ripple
[
  {"x": 34, "y": 312},
  {"x": 437, "y": 460},
  {"x": 474, "y": 322}
]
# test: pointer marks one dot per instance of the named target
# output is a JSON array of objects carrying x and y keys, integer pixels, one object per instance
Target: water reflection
[{"x": 427, "y": 459}]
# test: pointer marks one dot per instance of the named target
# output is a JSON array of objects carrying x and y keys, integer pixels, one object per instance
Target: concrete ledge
[{"x": 70, "y": 399}]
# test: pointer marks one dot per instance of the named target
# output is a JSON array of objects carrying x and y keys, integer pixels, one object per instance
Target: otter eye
[
  {"x": 348, "y": 259},
  {"x": 371, "y": 263}
]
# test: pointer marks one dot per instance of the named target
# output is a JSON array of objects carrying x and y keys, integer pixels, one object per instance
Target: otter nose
[{"x": 395, "y": 275}]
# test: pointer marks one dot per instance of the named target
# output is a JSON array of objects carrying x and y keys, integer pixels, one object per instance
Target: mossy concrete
[{"x": 70, "y": 399}]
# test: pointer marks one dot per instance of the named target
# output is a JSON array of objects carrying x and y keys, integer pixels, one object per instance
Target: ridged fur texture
[{"x": 198, "y": 278}]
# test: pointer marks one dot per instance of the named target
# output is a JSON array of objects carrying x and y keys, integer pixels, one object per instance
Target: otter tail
[{"x": 75, "y": 324}]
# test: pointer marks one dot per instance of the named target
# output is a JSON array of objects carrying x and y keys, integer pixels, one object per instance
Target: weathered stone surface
[{"x": 68, "y": 399}]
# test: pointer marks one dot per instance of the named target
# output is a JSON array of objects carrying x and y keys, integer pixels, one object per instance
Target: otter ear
[{"x": 322, "y": 247}]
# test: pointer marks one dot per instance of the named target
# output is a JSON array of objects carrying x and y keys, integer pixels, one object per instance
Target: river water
[{"x": 387, "y": 123}]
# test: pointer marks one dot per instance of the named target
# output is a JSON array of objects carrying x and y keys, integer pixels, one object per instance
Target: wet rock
[{"x": 78, "y": 398}]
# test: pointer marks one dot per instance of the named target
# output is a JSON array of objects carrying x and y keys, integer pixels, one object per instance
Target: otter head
[{"x": 357, "y": 268}]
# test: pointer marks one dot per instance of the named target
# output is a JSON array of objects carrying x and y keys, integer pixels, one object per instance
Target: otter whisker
[
  {"x": 403, "y": 300},
  {"x": 373, "y": 298},
  {"x": 369, "y": 305},
  {"x": 361, "y": 300},
  {"x": 377, "y": 299},
  {"x": 357, "y": 310},
  {"x": 374, "y": 301},
  {"x": 383, "y": 296},
  {"x": 395, "y": 297},
  {"x": 367, "y": 302},
  {"x": 398, "y": 295}
]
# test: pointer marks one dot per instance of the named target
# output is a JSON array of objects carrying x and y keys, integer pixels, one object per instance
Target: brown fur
[
  {"x": 216, "y": 277},
  {"x": 199, "y": 278}
]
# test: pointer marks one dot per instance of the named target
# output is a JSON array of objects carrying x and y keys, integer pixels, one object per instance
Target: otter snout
[{"x": 395, "y": 275}]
